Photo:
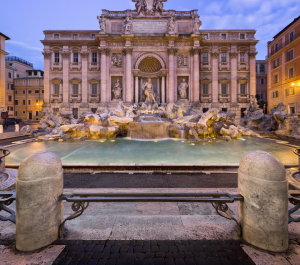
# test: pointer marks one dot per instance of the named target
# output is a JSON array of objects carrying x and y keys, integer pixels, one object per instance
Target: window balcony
[
  {"x": 243, "y": 66},
  {"x": 224, "y": 65},
  {"x": 75, "y": 98},
  {"x": 94, "y": 98},
  {"x": 224, "y": 98},
  {"x": 243, "y": 98},
  {"x": 206, "y": 98},
  {"x": 56, "y": 66},
  {"x": 75, "y": 66},
  {"x": 56, "y": 98},
  {"x": 205, "y": 66},
  {"x": 94, "y": 66}
]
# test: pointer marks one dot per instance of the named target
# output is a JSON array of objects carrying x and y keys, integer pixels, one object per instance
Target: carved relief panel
[
  {"x": 183, "y": 60},
  {"x": 116, "y": 60}
]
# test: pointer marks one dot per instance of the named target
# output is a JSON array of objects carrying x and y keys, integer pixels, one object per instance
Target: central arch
[{"x": 149, "y": 56}]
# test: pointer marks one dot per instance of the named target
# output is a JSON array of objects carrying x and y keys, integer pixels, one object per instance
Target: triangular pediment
[{"x": 75, "y": 80}]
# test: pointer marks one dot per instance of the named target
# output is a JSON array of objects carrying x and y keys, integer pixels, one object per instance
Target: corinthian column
[
  {"x": 104, "y": 52},
  {"x": 196, "y": 73},
  {"x": 47, "y": 56},
  {"x": 66, "y": 66},
  {"x": 215, "y": 76},
  {"x": 171, "y": 86},
  {"x": 128, "y": 79},
  {"x": 252, "y": 56},
  {"x": 84, "y": 88},
  {"x": 234, "y": 88}
]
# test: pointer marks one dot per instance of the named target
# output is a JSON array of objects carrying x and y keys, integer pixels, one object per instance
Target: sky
[{"x": 25, "y": 21}]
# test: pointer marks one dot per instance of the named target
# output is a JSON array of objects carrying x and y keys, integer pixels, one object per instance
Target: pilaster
[
  {"x": 128, "y": 78},
  {"x": 84, "y": 89},
  {"x": 252, "y": 56},
  {"x": 104, "y": 52},
  {"x": 47, "y": 90},
  {"x": 171, "y": 86},
  {"x": 234, "y": 88},
  {"x": 196, "y": 73},
  {"x": 215, "y": 76},
  {"x": 66, "y": 64}
]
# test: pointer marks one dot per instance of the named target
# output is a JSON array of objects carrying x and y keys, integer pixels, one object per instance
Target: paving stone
[
  {"x": 149, "y": 254},
  {"x": 98, "y": 248},
  {"x": 148, "y": 262},
  {"x": 189, "y": 261},
  {"x": 115, "y": 249},
  {"x": 92, "y": 262},
  {"x": 163, "y": 248},
  {"x": 159, "y": 261},
  {"x": 140, "y": 256},
  {"x": 173, "y": 248},
  {"x": 160, "y": 254},
  {"x": 124, "y": 248},
  {"x": 97, "y": 255},
  {"x": 188, "y": 254},
  {"x": 179, "y": 261},
  {"x": 154, "y": 248},
  {"x": 199, "y": 248},
  {"x": 114, "y": 255},
  {"x": 121, "y": 262},
  {"x": 169, "y": 261},
  {"x": 111, "y": 262},
  {"x": 102, "y": 261}
]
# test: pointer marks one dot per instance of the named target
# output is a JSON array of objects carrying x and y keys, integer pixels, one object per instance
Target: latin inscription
[{"x": 150, "y": 27}]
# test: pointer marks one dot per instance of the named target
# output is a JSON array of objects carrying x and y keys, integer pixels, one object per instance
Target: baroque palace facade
[{"x": 149, "y": 48}]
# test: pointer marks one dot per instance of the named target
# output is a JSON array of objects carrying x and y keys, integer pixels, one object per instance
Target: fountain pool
[{"x": 167, "y": 151}]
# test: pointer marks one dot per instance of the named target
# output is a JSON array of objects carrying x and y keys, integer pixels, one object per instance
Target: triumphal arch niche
[{"x": 150, "y": 54}]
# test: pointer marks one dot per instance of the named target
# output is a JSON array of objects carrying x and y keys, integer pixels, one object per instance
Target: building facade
[
  {"x": 15, "y": 68},
  {"x": 149, "y": 49},
  {"x": 29, "y": 95},
  {"x": 261, "y": 83},
  {"x": 3, "y": 53},
  {"x": 284, "y": 68}
]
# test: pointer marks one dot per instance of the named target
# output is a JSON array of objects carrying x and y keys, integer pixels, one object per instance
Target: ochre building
[
  {"x": 284, "y": 68},
  {"x": 3, "y": 53},
  {"x": 146, "y": 49}
]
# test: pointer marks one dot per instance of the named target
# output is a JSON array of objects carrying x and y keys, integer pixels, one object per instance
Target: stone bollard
[
  {"x": 263, "y": 215},
  {"x": 1, "y": 128},
  {"x": 38, "y": 211},
  {"x": 17, "y": 127}
]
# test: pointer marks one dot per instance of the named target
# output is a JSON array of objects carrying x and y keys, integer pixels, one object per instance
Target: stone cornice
[
  {"x": 3, "y": 52},
  {"x": 139, "y": 73}
]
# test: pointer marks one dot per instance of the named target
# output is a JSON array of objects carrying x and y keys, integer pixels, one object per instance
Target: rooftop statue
[
  {"x": 127, "y": 24},
  {"x": 197, "y": 24},
  {"x": 149, "y": 6},
  {"x": 102, "y": 24},
  {"x": 171, "y": 24}
]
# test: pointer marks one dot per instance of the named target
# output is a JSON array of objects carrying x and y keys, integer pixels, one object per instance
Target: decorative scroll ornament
[
  {"x": 233, "y": 55},
  {"x": 195, "y": 50},
  {"x": 252, "y": 55},
  {"x": 65, "y": 54},
  {"x": 127, "y": 50},
  {"x": 103, "y": 50},
  {"x": 47, "y": 55},
  {"x": 116, "y": 60},
  {"x": 84, "y": 54},
  {"x": 215, "y": 55},
  {"x": 172, "y": 50}
]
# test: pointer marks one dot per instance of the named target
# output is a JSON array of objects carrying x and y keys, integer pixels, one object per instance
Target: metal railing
[
  {"x": 280, "y": 47},
  {"x": 17, "y": 59}
]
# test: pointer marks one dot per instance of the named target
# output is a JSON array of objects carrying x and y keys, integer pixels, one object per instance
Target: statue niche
[
  {"x": 116, "y": 92},
  {"x": 183, "y": 88}
]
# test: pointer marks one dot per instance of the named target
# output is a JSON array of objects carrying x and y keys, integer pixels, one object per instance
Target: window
[
  {"x": 291, "y": 36},
  {"x": 56, "y": 36},
  {"x": 205, "y": 57},
  {"x": 94, "y": 110},
  {"x": 93, "y": 36},
  {"x": 29, "y": 102},
  {"x": 276, "y": 47},
  {"x": 75, "y": 113},
  {"x": 75, "y": 37},
  {"x": 224, "y": 89},
  {"x": 24, "y": 112},
  {"x": 75, "y": 57},
  {"x": 56, "y": 57},
  {"x": 24, "y": 91},
  {"x": 16, "y": 102},
  {"x": 242, "y": 57},
  {"x": 24, "y": 82},
  {"x": 42, "y": 91},
  {"x": 275, "y": 79},
  {"x": 242, "y": 36},
  {"x": 42, "y": 74},
  {"x": 16, "y": 113},
  {"x": 275, "y": 94},
  {"x": 262, "y": 68},
  {"x": 224, "y": 57},
  {"x": 275, "y": 63},
  {"x": 9, "y": 98},
  {"x": 94, "y": 89},
  {"x": 29, "y": 92},
  {"x": 243, "y": 89},
  {"x": 205, "y": 90},
  {"x": 223, "y": 36},
  {"x": 29, "y": 82},
  {"x": 75, "y": 89},
  {"x": 35, "y": 73},
  {"x": 37, "y": 113},
  {"x": 24, "y": 102},
  {"x": 36, "y": 91},
  {"x": 94, "y": 57},
  {"x": 292, "y": 110},
  {"x": 7, "y": 108},
  {"x": 37, "y": 101},
  {"x": 16, "y": 92},
  {"x": 292, "y": 91},
  {"x": 224, "y": 110},
  {"x": 9, "y": 74},
  {"x": 56, "y": 89},
  {"x": 205, "y": 37},
  {"x": 262, "y": 95},
  {"x": 262, "y": 81},
  {"x": 205, "y": 110},
  {"x": 16, "y": 82},
  {"x": 291, "y": 72},
  {"x": 30, "y": 73},
  {"x": 290, "y": 55},
  {"x": 11, "y": 108},
  {"x": 18, "y": 76},
  {"x": 37, "y": 82}
]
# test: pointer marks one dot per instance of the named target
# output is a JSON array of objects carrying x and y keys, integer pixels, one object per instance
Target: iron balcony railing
[
  {"x": 280, "y": 47},
  {"x": 15, "y": 58}
]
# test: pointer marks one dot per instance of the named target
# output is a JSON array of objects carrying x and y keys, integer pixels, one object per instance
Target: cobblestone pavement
[{"x": 212, "y": 252}]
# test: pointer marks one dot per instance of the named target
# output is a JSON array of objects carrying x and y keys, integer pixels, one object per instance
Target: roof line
[
  {"x": 6, "y": 38},
  {"x": 279, "y": 33}
]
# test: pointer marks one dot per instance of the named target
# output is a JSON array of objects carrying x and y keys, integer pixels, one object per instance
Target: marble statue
[
  {"x": 159, "y": 5},
  {"x": 171, "y": 24},
  {"x": 139, "y": 5},
  {"x": 148, "y": 91},
  {"x": 117, "y": 90},
  {"x": 116, "y": 60},
  {"x": 127, "y": 24},
  {"x": 197, "y": 24},
  {"x": 102, "y": 24},
  {"x": 182, "y": 89}
]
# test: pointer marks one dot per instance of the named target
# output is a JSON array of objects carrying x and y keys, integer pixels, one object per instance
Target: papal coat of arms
[{"x": 149, "y": 7}]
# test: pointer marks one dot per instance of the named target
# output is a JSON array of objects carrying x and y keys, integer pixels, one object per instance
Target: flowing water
[{"x": 153, "y": 151}]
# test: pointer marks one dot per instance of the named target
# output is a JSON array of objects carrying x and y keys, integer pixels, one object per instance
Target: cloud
[{"x": 23, "y": 45}]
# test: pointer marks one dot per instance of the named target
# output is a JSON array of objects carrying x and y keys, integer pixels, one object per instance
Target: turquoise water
[{"x": 163, "y": 151}]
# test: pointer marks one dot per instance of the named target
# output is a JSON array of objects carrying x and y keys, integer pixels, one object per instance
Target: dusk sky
[{"x": 24, "y": 21}]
